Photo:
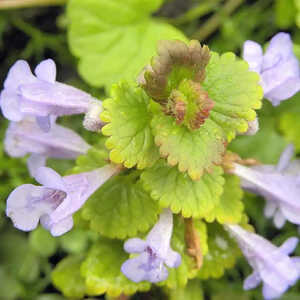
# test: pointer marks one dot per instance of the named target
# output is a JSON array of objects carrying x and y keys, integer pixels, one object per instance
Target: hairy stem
[
  {"x": 9, "y": 4},
  {"x": 212, "y": 24},
  {"x": 192, "y": 241}
]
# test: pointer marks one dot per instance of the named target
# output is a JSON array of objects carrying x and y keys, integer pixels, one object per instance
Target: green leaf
[
  {"x": 193, "y": 291},
  {"x": 75, "y": 241},
  {"x": 66, "y": 277},
  {"x": 129, "y": 129},
  {"x": 290, "y": 127},
  {"x": 285, "y": 12},
  {"x": 9, "y": 286},
  {"x": 106, "y": 42},
  {"x": 222, "y": 252},
  {"x": 230, "y": 208},
  {"x": 178, "y": 277},
  {"x": 96, "y": 157},
  {"x": 42, "y": 242},
  {"x": 102, "y": 270},
  {"x": 177, "y": 191},
  {"x": 193, "y": 151},
  {"x": 121, "y": 208},
  {"x": 236, "y": 93}
]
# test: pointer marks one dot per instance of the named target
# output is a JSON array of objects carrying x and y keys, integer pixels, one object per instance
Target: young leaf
[
  {"x": 177, "y": 191},
  {"x": 102, "y": 270},
  {"x": 107, "y": 42},
  {"x": 222, "y": 252},
  {"x": 66, "y": 277},
  {"x": 234, "y": 93},
  {"x": 131, "y": 141},
  {"x": 193, "y": 151},
  {"x": 121, "y": 208},
  {"x": 230, "y": 207}
]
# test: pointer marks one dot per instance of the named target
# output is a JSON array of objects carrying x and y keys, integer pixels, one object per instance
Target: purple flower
[
  {"x": 279, "y": 185},
  {"x": 54, "y": 203},
  {"x": 278, "y": 67},
  {"x": 41, "y": 96},
  {"x": 155, "y": 252},
  {"x": 26, "y": 137},
  {"x": 271, "y": 265}
]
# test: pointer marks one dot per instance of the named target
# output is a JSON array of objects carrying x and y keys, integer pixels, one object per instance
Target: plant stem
[
  {"x": 9, "y": 4},
  {"x": 212, "y": 24},
  {"x": 192, "y": 241}
]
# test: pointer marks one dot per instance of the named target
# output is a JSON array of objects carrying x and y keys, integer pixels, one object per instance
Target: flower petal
[
  {"x": 253, "y": 54},
  {"x": 49, "y": 178},
  {"x": 9, "y": 101},
  {"x": 25, "y": 206},
  {"x": 135, "y": 245},
  {"x": 270, "y": 293},
  {"x": 279, "y": 219},
  {"x": 285, "y": 158},
  {"x": 285, "y": 90},
  {"x": 19, "y": 73},
  {"x": 34, "y": 162},
  {"x": 252, "y": 281},
  {"x": 132, "y": 268},
  {"x": 57, "y": 229},
  {"x": 289, "y": 245},
  {"x": 56, "y": 98},
  {"x": 173, "y": 259},
  {"x": 46, "y": 70},
  {"x": 44, "y": 123},
  {"x": 280, "y": 48}
]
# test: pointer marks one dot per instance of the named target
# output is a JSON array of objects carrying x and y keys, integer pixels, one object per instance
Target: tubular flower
[
  {"x": 155, "y": 252},
  {"x": 278, "y": 67},
  {"x": 41, "y": 96},
  {"x": 279, "y": 185},
  {"x": 54, "y": 203},
  {"x": 271, "y": 265},
  {"x": 26, "y": 137}
]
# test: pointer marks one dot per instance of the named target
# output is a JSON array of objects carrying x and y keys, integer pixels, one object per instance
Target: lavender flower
[
  {"x": 278, "y": 67},
  {"x": 26, "y": 137},
  {"x": 41, "y": 96},
  {"x": 154, "y": 253},
  {"x": 279, "y": 185},
  {"x": 54, "y": 203},
  {"x": 271, "y": 265}
]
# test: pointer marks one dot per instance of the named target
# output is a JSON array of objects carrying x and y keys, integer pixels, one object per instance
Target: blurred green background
[{"x": 37, "y": 32}]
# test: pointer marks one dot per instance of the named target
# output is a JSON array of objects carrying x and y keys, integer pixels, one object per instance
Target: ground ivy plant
[{"x": 158, "y": 198}]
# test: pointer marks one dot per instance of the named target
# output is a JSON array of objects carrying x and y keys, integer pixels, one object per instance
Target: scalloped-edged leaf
[
  {"x": 121, "y": 208},
  {"x": 192, "y": 291},
  {"x": 230, "y": 207},
  {"x": 113, "y": 46},
  {"x": 290, "y": 127},
  {"x": 193, "y": 151},
  {"x": 66, "y": 277},
  {"x": 180, "y": 193},
  {"x": 236, "y": 94},
  {"x": 130, "y": 138},
  {"x": 102, "y": 270},
  {"x": 222, "y": 252},
  {"x": 235, "y": 91},
  {"x": 178, "y": 277}
]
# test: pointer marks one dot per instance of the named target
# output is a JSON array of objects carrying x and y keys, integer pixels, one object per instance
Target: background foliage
[{"x": 27, "y": 260}]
